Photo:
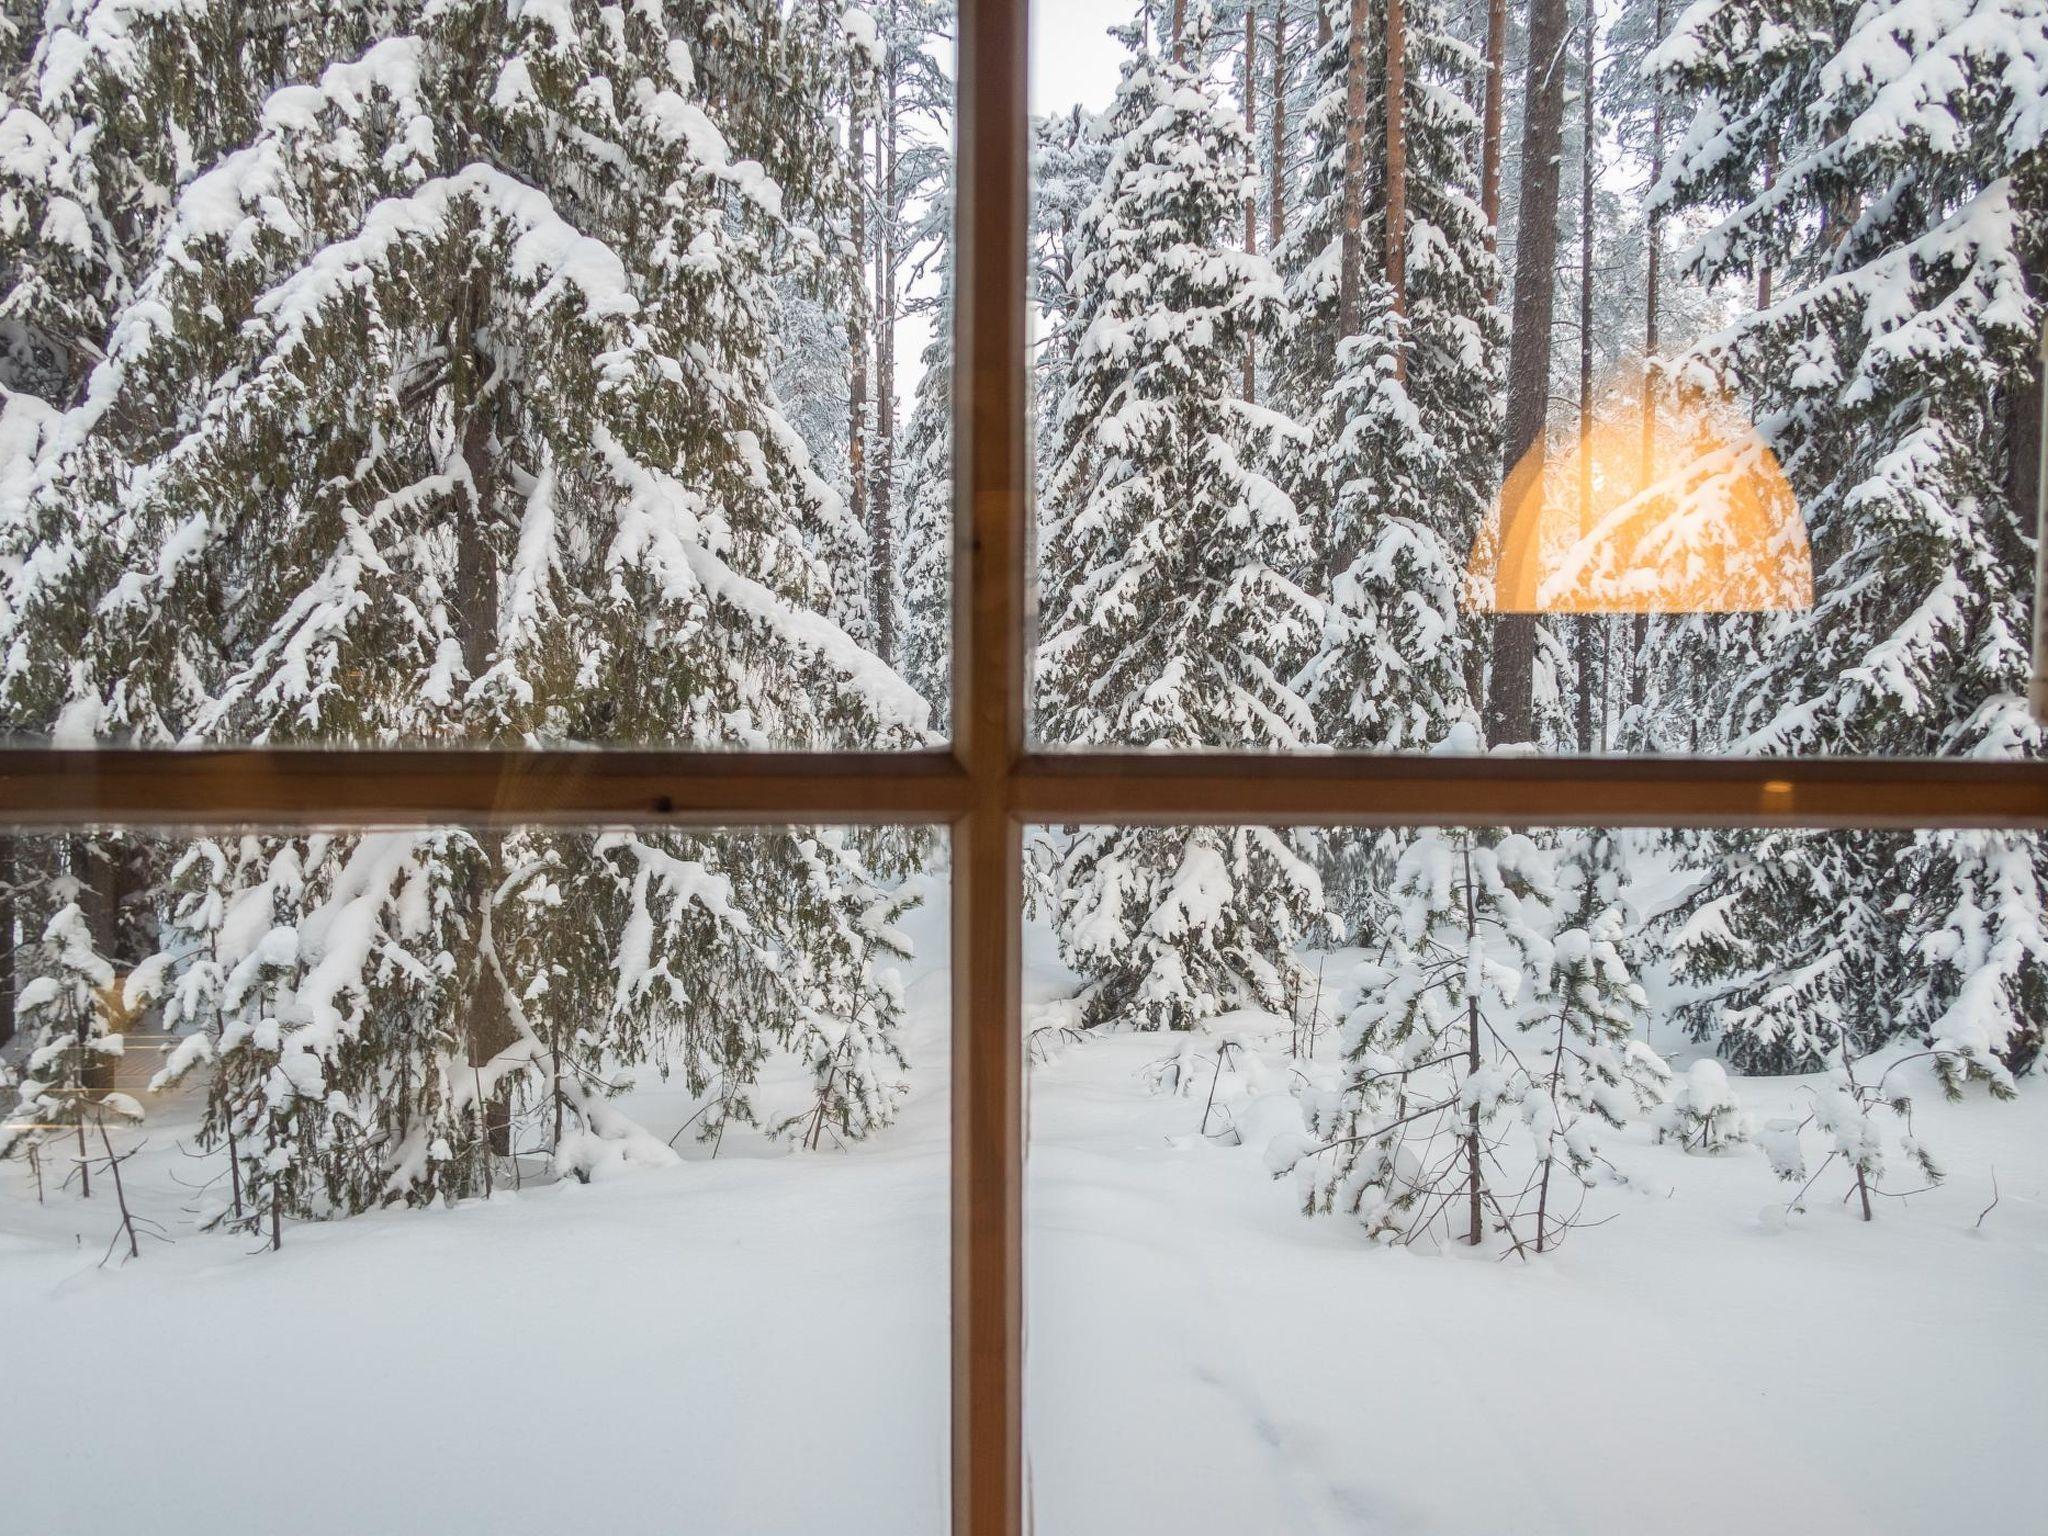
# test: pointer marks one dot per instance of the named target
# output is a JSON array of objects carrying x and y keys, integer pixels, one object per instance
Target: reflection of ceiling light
[{"x": 1712, "y": 528}]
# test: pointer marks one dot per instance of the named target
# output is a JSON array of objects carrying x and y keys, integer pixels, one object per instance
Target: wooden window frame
[{"x": 990, "y": 785}]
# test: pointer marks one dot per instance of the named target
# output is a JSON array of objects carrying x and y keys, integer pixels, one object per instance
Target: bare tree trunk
[
  {"x": 1276, "y": 226},
  {"x": 883, "y": 536},
  {"x": 487, "y": 1024},
  {"x": 1474, "y": 1185},
  {"x": 1180, "y": 9},
  {"x": 1510, "y": 702},
  {"x": 98, "y": 875},
  {"x": 1351, "y": 258},
  {"x": 2024, "y": 457},
  {"x": 1639, "y": 657},
  {"x": 128, "y": 1221},
  {"x": 9, "y": 918},
  {"x": 1337, "y": 551},
  {"x": 1397, "y": 179},
  {"x": 856, "y": 326},
  {"x": 1589, "y": 628},
  {"x": 1251, "y": 204},
  {"x": 1763, "y": 274},
  {"x": 1490, "y": 134}
]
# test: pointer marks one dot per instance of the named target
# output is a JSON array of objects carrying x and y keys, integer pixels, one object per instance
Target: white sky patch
[{"x": 1073, "y": 57}]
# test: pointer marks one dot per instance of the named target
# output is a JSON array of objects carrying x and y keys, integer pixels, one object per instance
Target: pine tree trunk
[
  {"x": 1510, "y": 701},
  {"x": 1351, "y": 259},
  {"x": 1763, "y": 274},
  {"x": 1397, "y": 179},
  {"x": 487, "y": 1025},
  {"x": 1180, "y": 8},
  {"x": 1276, "y": 226},
  {"x": 882, "y": 515},
  {"x": 2023, "y": 460},
  {"x": 1639, "y": 636},
  {"x": 1589, "y": 628},
  {"x": 8, "y": 938},
  {"x": 1490, "y": 132},
  {"x": 856, "y": 327},
  {"x": 1251, "y": 204},
  {"x": 98, "y": 873},
  {"x": 1474, "y": 1185},
  {"x": 1351, "y": 250}
]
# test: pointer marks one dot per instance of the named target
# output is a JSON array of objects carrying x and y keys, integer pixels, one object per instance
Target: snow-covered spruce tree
[
  {"x": 1397, "y": 386},
  {"x": 1392, "y": 670},
  {"x": 1069, "y": 157},
  {"x": 1884, "y": 159},
  {"x": 1446, "y": 330},
  {"x": 1395, "y": 368},
  {"x": 81, "y": 1006},
  {"x": 445, "y": 415},
  {"x": 1488, "y": 1047},
  {"x": 927, "y": 500},
  {"x": 1172, "y": 615},
  {"x": 117, "y": 105}
]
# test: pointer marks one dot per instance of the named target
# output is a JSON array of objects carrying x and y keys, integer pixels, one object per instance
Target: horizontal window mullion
[
  {"x": 297, "y": 787},
  {"x": 346, "y": 788},
  {"x": 1491, "y": 791}
]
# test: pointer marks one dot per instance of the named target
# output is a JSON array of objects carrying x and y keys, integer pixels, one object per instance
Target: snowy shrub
[
  {"x": 1703, "y": 1114},
  {"x": 1852, "y": 1118}
]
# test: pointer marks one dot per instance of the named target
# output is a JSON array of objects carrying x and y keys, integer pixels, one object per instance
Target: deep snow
[{"x": 758, "y": 1344}]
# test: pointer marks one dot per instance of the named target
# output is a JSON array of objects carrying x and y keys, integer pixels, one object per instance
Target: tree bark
[
  {"x": 1475, "y": 1187},
  {"x": 8, "y": 938},
  {"x": 1639, "y": 634},
  {"x": 856, "y": 325},
  {"x": 881, "y": 522},
  {"x": 1490, "y": 133},
  {"x": 1276, "y": 227},
  {"x": 487, "y": 1025},
  {"x": 1763, "y": 272},
  {"x": 99, "y": 881},
  {"x": 1510, "y": 701},
  {"x": 1589, "y": 628},
  {"x": 1251, "y": 204},
  {"x": 1351, "y": 258},
  {"x": 1397, "y": 179}
]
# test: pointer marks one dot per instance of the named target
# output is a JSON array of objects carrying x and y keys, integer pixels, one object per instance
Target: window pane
[
  {"x": 426, "y": 375},
  {"x": 624, "y": 1152},
  {"x": 1748, "y": 1209},
  {"x": 1681, "y": 397}
]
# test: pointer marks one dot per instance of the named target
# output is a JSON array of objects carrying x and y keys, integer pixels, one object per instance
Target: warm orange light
[{"x": 1704, "y": 521}]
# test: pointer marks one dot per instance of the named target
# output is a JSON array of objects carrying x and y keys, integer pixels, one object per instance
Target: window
[{"x": 988, "y": 785}]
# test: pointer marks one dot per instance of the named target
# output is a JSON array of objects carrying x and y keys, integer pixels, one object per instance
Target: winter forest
[{"x": 555, "y": 373}]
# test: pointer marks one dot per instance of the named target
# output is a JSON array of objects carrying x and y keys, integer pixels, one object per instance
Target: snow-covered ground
[{"x": 758, "y": 1344}]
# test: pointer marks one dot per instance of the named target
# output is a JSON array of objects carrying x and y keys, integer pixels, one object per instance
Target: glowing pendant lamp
[{"x": 1713, "y": 527}]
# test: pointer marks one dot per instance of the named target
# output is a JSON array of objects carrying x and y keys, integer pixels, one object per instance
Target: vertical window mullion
[{"x": 991, "y": 502}]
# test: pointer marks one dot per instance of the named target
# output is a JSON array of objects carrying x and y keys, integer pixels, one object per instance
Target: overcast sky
[{"x": 1073, "y": 57}]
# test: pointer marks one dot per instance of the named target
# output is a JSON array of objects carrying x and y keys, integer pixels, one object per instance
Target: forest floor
[{"x": 757, "y": 1344}]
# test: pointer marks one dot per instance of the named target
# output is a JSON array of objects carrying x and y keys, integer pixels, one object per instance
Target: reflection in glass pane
[
  {"x": 627, "y": 1148},
  {"x": 1541, "y": 1197},
  {"x": 1630, "y": 405},
  {"x": 430, "y": 374}
]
